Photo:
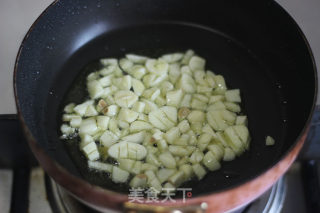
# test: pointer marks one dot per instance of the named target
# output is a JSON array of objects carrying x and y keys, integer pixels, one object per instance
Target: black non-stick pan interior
[{"x": 255, "y": 45}]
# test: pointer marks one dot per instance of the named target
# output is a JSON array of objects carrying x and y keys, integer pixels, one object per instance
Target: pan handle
[{"x": 144, "y": 208}]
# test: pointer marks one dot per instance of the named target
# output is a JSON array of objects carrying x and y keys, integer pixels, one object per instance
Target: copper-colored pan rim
[{"x": 110, "y": 195}]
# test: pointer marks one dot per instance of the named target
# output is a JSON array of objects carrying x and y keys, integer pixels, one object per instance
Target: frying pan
[{"x": 255, "y": 45}]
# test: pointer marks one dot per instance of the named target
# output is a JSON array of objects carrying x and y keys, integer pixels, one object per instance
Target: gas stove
[{"x": 25, "y": 187}]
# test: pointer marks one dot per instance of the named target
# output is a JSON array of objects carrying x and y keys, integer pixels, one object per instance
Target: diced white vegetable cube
[
  {"x": 221, "y": 85},
  {"x": 207, "y": 129},
  {"x": 174, "y": 97},
  {"x": 128, "y": 150},
  {"x": 210, "y": 161},
  {"x": 136, "y": 169},
  {"x": 125, "y": 82},
  {"x": 69, "y": 108},
  {"x": 199, "y": 171},
  {"x": 184, "y": 126},
  {"x": 242, "y": 120},
  {"x": 187, "y": 56},
  {"x": 187, "y": 170},
  {"x": 170, "y": 112},
  {"x": 137, "y": 71},
  {"x": 155, "y": 183},
  {"x": 151, "y": 175},
  {"x": 215, "y": 98},
  {"x": 167, "y": 160},
  {"x": 103, "y": 122},
  {"x": 151, "y": 93},
  {"x": 216, "y": 120},
  {"x": 105, "y": 167},
  {"x": 107, "y": 70},
  {"x": 183, "y": 113},
  {"x": 125, "y": 64},
  {"x": 182, "y": 140},
  {"x": 151, "y": 80},
  {"x": 137, "y": 59},
  {"x": 270, "y": 141},
  {"x": 126, "y": 164},
  {"x": 160, "y": 120},
  {"x": 108, "y": 61},
  {"x": 203, "y": 89},
  {"x": 76, "y": 122},
  {"x": 186, "y": 83},
  {"x": 199, "y": 76},
  {"x": 177, "y": 178},
  {"x": 160, "y": 101},
  {"x": 243, "y": 133},
  {"x": 135, "y": 138},
  {"x": 229, "y": 154},
  {"x": 82, "y": 108},
  {"x": 149, "y": 106},
  {"x": 95, "y": 89},
  {"x": 125, "y": 98},
  {"x": 158, "y": 67},
  {"x": 178, "y": 150},
  {"x": 172, "y": 134},
  {"x": 109, "y": 99},
  {"x": 139, "y": 180},
  {"x": 66, "y": 129},
  {"x": 165, "y": 87},
  {"x": 137, "y": 126},
  {"x": 87, "y": 149},
  {"x": 202, "y": 98},
  {"x": 192, "y": 137},
  {"x": 113, "y": 126},
  {"x": 148, "y": 166},
  {"x": 164, "y": 174},
  {"x": 174, "y": 73},
  {"x": 203, "y": 141},
  {"x": 93, "y": 156},
  {"x": 137, "y": 86},
  {"x": 217, "y": 150},
  {"x": 172, "y": 58},
  {"x": 88, "y": 126},
  {"x": 93, "y": 76},
  {"x": 69, "y": 117},
  {"x": 108, "y": 138},
  {"x": 112, "y": 110},
  {"x": 196, "y": 116},
  {"x": 127, "y": 115},
  {"x": 119, "y": 175},
  {"x": 233, "y": 95},
  {"x": 143, "y": 117},
  {"x": 185, "y": 70},
  {"x": 162, "y": 145},
  {"x": 234, "y": 141},
  {"x": 91, "y": 111},
  {"x": 218, "y": 105},
  {"x": 233, "y": 107},
  {"x": 196, "y": 157},
  {"x": 210, "y": 79},
  {"x": 152, "y": 159},
  {"x": 138, "y": 106},
  {"x": 197, "y": 63},
  {"x": 106, "y": 81},
  {"x": 186, "y": 101}
]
